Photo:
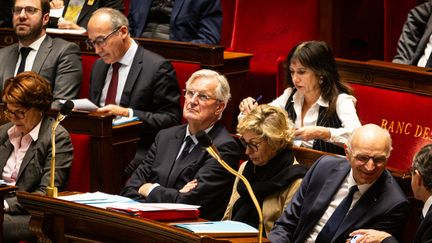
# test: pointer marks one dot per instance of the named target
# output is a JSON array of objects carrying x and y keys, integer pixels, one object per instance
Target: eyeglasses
[
  {"x": 252, "y": 146},
  {"x": 201, "y": 96},
  {"x": 100, "y": 41},
  {"x": 379, "y": 160},
  {"x": 27, "y": 10},
  {"x": 17, "y": 114}
]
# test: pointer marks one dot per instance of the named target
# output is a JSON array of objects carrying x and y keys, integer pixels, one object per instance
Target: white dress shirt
[{"x": 31, "y": 56}]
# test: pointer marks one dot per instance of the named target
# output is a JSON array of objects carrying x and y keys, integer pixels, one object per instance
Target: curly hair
[
  {"x": 29, "y": 90},
  {"x": 271, "y": 124}
]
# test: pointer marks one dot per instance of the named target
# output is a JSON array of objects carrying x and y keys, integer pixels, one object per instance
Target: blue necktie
[{"x": 332, "y": 225}]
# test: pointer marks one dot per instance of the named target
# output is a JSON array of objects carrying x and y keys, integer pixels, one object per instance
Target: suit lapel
[
  {"x": 178, "y": 4},
  {"x": 134, "y": 72},
  {"x": 29, "y": 156},
  {"x": 174, "y": 143},
  {"x": 421, "y": 234},
  {"x": 99, "y": 82},
  {"x": 86, "y": 8},
  {"x": 42, "y": 54},
  {"x": 11, "y": 63},
  {"x": 6, "y": 149},
  {"x": 366, "y": 202}
]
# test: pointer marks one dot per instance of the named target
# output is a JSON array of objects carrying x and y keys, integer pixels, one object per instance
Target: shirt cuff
[
  {"x": 151, "y": 188},
  {"x": 6, "y": 206},
  {"x": 130, "y": 113}
]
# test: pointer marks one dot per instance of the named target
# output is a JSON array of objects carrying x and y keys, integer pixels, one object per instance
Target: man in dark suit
[
  {"x": 360, "y": 184},
  {"x": 412, "y": 48},
  {"x": 177, "y": 168},
  {"x": 146, "y": 83},
  {"x": 57, "y": 60},
  {"x": 421, "y": 184},
  {"x": 76, "y": 14},
  {"x": 179, "y": 20}
]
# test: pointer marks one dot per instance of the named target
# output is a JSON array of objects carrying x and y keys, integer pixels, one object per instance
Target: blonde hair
[{"x": 271, "y": 124}]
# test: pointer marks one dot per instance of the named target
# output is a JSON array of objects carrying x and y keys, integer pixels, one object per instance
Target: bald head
[{"x": 368, "y": 151}]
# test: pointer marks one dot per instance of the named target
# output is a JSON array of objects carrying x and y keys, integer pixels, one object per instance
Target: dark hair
[
  {"x": 423, "y": 163},
  {"x": 29, "y": 90},
  {"x": 318, "y": 56},
  {"x": 45, "y": 6}
]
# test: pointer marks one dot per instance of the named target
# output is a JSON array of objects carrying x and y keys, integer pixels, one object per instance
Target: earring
[{"x": 321, "y": 80}]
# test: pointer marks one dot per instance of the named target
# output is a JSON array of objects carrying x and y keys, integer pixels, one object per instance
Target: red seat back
[{"x": 79, "y": 177}]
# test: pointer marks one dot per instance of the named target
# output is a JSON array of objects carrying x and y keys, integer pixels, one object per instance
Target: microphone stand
[
  {"x": 216, "y": 155},
  {"x": 51, "y": 190}
]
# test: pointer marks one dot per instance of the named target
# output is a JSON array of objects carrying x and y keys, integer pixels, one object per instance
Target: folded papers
[
  {"x": 154, "y": 211},
  {"x": 226, "y": 228}
]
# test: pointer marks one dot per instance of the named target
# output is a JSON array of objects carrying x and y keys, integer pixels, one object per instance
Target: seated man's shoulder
[{"x": 62, "y": 43}]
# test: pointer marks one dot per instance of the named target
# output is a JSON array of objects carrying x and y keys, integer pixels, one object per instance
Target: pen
[{"x": 258, "y": 99}]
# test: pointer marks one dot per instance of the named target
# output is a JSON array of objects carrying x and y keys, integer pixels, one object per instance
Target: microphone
[
  {"x": 205, "y": 140},
  {"x": 65, "y": 110}
]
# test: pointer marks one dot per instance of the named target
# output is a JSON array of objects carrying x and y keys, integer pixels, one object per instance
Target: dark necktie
[
  {"x": 429, "y": 61},
  {"x": 24, "y": 53},
  {"x": 332, "y": 225},
  {"x": 188, "y": 142},
  {"x": 112, "y": 88}
]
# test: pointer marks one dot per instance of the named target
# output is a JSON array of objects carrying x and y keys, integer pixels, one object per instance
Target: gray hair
[
  {"x": 118, "y": 19},
  {"x": 223, "y": 89}
]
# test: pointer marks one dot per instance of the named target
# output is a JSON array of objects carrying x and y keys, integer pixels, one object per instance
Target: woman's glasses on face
[{"x": 17, "y": 114}]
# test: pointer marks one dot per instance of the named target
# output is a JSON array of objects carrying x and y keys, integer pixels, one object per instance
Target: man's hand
[
  {"x": 369, "y": 236},
  {"x": 189, "y": 186},
  {"x": 55, "y": 4},
  {"x": 144, "y": 189},
  {"x": 114, "y": 110}
]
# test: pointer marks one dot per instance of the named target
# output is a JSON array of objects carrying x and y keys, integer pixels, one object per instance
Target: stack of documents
[
  {"x": 226, "y": 228},
  {"x": 154, "y": 211}
]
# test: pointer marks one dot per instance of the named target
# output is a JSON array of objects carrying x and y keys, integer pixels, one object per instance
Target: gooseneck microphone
[
  {"x": 65, "y": 110},
  {"x": 205, "y": 140}
]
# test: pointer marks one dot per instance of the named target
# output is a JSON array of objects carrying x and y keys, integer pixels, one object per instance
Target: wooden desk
[
  {"x": 111, "y": 147},
  {"x": 55, "y": 220},
  {"x": 235, "y": 66}
]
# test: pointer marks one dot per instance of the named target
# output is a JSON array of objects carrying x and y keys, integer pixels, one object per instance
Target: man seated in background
[
  {"x": 179, "y": 20},
  {"x": 421, "y": 184},
  {"x": 57, "y": 60},
  {"x": 128, "y": 80},
  {"x": 177, "y": 169},
  {"x": 75, "y": 14},
  {"x": 339, "y": 195},
  {"x": 415, "y": 43}
]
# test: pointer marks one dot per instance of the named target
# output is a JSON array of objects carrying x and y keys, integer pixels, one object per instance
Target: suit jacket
[
  {"x": 415, "y": 35},
  {"x": 383, "y": 206},
  {"x": 423, "y": 234},
  {"x": 191, "y": 20},
  {"x": 34, "y": 172},
  {"x": 88, "y": 10},
  {"x": 214, "y": 182},
  {"x": 151, "y": 90},
  {"x": 57, "y": 60}
]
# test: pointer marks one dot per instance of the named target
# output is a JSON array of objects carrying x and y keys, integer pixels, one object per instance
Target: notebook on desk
[{"x": 226, "y": 228}]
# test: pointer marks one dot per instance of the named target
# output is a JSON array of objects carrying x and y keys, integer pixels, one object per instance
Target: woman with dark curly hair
[
  {"x": 25, "y": 148},
  {"x": 319, "y": 103}
]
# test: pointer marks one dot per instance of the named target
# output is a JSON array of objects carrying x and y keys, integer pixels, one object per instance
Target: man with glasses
[
  {"x": 421, "y": 185},
  {"x": 177, "y": 168},
  {"x": 57, "y": 60},
  {"x": 339, "y": 195},
  {"x": 128, "y": 80}
]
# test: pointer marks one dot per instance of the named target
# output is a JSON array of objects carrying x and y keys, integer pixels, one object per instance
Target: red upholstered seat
[
  {"x": 79, "y": 177},
  {"x": 87, "y": 64},
  {"x": 403, "y": 114},
  {"x": 183, "y": 72}
]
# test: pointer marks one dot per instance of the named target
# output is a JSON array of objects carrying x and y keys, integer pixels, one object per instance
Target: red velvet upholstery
[
  {"x": 79, "y": 178},
  {"x": 183, "y": 72},
  {"x": 402, "y": 113},
  {"x": 87, "y": 64},
  {"x": 228, "y": 8}
]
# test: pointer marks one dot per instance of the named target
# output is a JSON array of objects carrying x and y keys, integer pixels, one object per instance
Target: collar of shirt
[
  {"x": 298, "y": 98},
  {"x": 351, "y": 182},
  {"x": 128, "y": 57},
  {"x": 194, "y": 139},
  {"x": 426, "y": 206},
  {"x": 15, "y": 135},
  {"x": 36, "y": 44}
]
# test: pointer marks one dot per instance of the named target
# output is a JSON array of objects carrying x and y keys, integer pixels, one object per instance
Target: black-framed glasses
[
  {"x": 17, "y": 114},
  {"x": 201, "y": 96},
  {"x": 101, "y": 40},
  {"x": 27, "y": 10},
  {"x": 378, "y": 160},
  {"x": 252, "y": 146}
]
